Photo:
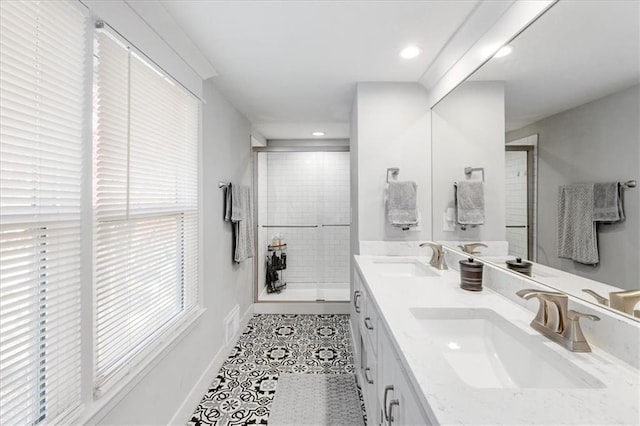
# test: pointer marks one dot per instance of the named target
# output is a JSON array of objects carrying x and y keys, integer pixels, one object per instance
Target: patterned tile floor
[{"x": 244, "y": 388}]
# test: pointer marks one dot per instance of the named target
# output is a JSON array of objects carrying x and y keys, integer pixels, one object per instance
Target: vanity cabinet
[
  {"x": 354, "y": 318},
  {"x": 364, "y": 328},
  {"x": 398, "y": 403},
  {"x": 388, "y": 396}
]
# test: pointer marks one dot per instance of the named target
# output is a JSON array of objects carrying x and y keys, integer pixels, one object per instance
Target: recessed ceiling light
[
  {"x": 410, "y": 52},
  {"x": 504, "y": 51},
  {"x": 318, "y": 134}
]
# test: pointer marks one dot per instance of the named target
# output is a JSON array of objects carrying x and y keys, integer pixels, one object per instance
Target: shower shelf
[{"x": 276, "y": 263}]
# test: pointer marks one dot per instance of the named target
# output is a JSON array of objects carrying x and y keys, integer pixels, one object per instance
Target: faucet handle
[
  {"x": 434, "y": 246},
  {"x": 437, "y": 258},
  {"x": 542, "y": 318},
  {"x": 625, "y": 300},
  {"x": 600, "y": 299},
  {"x": 575, "y": 316},
  {"x": 573, "y": 333},
  {"x": 471, "y": 247}
]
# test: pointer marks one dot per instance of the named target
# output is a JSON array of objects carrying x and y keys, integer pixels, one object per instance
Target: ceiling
[
  {"x": 575, "y": 53},
  {"x": 292, "y": 66}
]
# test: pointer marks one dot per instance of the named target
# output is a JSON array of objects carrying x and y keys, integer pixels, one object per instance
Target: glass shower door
[
  {"x": 303, "y": 197},
  {"x": 335, "y": 227}
]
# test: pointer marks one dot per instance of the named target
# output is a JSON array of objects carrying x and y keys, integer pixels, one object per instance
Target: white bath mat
[{"x": 316, "y": 399}]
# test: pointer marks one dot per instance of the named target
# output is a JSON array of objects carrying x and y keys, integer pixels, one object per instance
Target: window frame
[{"x": 151, "y": 355}]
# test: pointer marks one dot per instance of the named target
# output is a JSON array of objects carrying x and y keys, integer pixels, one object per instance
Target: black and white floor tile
[{"x": 246, "y": 384}]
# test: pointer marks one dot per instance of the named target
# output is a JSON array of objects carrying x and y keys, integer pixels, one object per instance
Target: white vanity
[{"x": 428, "y": 352}]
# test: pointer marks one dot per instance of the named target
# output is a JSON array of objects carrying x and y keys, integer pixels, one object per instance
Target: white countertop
[{"x": 452, "y": 401}]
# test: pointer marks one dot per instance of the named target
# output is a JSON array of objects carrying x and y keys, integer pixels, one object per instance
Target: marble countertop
[{"x": 615, "y": 400}]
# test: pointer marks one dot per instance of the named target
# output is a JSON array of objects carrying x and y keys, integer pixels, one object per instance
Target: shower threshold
[{"x": 308, "y": 292}]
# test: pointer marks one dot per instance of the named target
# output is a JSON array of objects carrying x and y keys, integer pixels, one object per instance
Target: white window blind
[
  {"x": 42, "y": 78},
  {"x": 146, "y": 207}
]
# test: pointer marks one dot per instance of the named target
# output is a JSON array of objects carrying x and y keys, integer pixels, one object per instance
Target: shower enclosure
[{"x": 303, "y": 201}]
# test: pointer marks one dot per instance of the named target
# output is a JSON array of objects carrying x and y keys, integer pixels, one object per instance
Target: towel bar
[
  {"x": 629, "y": 184},
  {"x": 222, "y": 184}
]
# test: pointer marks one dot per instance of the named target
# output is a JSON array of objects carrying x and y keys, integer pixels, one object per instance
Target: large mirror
[{"x": 550, "y": 120}]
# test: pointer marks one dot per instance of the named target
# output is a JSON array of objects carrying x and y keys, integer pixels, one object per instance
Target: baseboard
[
  {"x": 301, "y": 308},
  {"x": 185, "y": 410}
]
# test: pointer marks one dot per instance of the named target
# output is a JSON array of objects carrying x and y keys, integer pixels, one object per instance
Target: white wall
[
  {"x": 393, "y": 129},
  {"x": 595, "y": 142},
  {"x": 468, "y": 131},
  {"x": 226, "y": 156}
]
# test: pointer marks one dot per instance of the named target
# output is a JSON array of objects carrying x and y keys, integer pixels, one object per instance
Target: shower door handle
[{"x": 289, "y": 226}]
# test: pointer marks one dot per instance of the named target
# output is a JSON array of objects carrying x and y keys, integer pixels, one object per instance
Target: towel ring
[
  {"x": 469, "y": 170},
  {"x": 394, "y": 173}
]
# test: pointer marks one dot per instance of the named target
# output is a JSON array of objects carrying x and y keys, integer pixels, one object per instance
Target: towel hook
[{"x": 394, "y": 173}]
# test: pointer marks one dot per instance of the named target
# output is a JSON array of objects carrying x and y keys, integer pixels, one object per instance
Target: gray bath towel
[
  {"x": 607, "y": 202},
  {"x": 469, "y": 197},
  {"x": 242, "y": 222},
  {"x": 401, "y": 204},
  {"x": 577, "y": 238}
]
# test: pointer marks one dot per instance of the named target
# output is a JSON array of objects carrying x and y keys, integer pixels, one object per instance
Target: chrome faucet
[
  {"x": 566, "y": 329},
  {"x": 471, "y": 247},
  {"x": 437, "y": 258},
  {"x": 624, "y": 301}
]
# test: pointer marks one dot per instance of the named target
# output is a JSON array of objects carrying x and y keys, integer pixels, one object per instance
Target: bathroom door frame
[
  {"x": 324, "y": 145},
  {"x": 530, "y": 151}
]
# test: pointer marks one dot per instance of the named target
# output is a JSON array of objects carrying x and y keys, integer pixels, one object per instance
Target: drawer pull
[
  {"x": 367, "y": 323},
  {"x": 386, "y": 393},
  {"x": 356, "y": 299},
  {"x": 366, "y": 375},
  {"x": 391, "y": 404}
]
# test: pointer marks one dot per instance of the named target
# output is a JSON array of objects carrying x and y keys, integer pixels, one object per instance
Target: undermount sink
[
  {"x": 487, "y": 351},
  {"x": 403, "y": 268}
]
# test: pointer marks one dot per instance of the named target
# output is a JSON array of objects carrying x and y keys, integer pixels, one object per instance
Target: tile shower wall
[
  {"x": 516, "y": 201},
  {"x": 306, "y": 200}
]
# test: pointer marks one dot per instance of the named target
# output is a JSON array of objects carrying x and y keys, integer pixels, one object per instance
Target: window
[
  {"x": 143, "y": 168},
  {"x": 145, "y": 205},
  {"x": 42, "y": 80}
]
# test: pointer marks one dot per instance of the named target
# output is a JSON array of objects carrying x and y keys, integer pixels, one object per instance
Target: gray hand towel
[
  {"x": 607, "y": 202},
  {"x": 577, "y": 238},
  {"x": 401, "y": 204},
  {"x": 469, "y": 197}
]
